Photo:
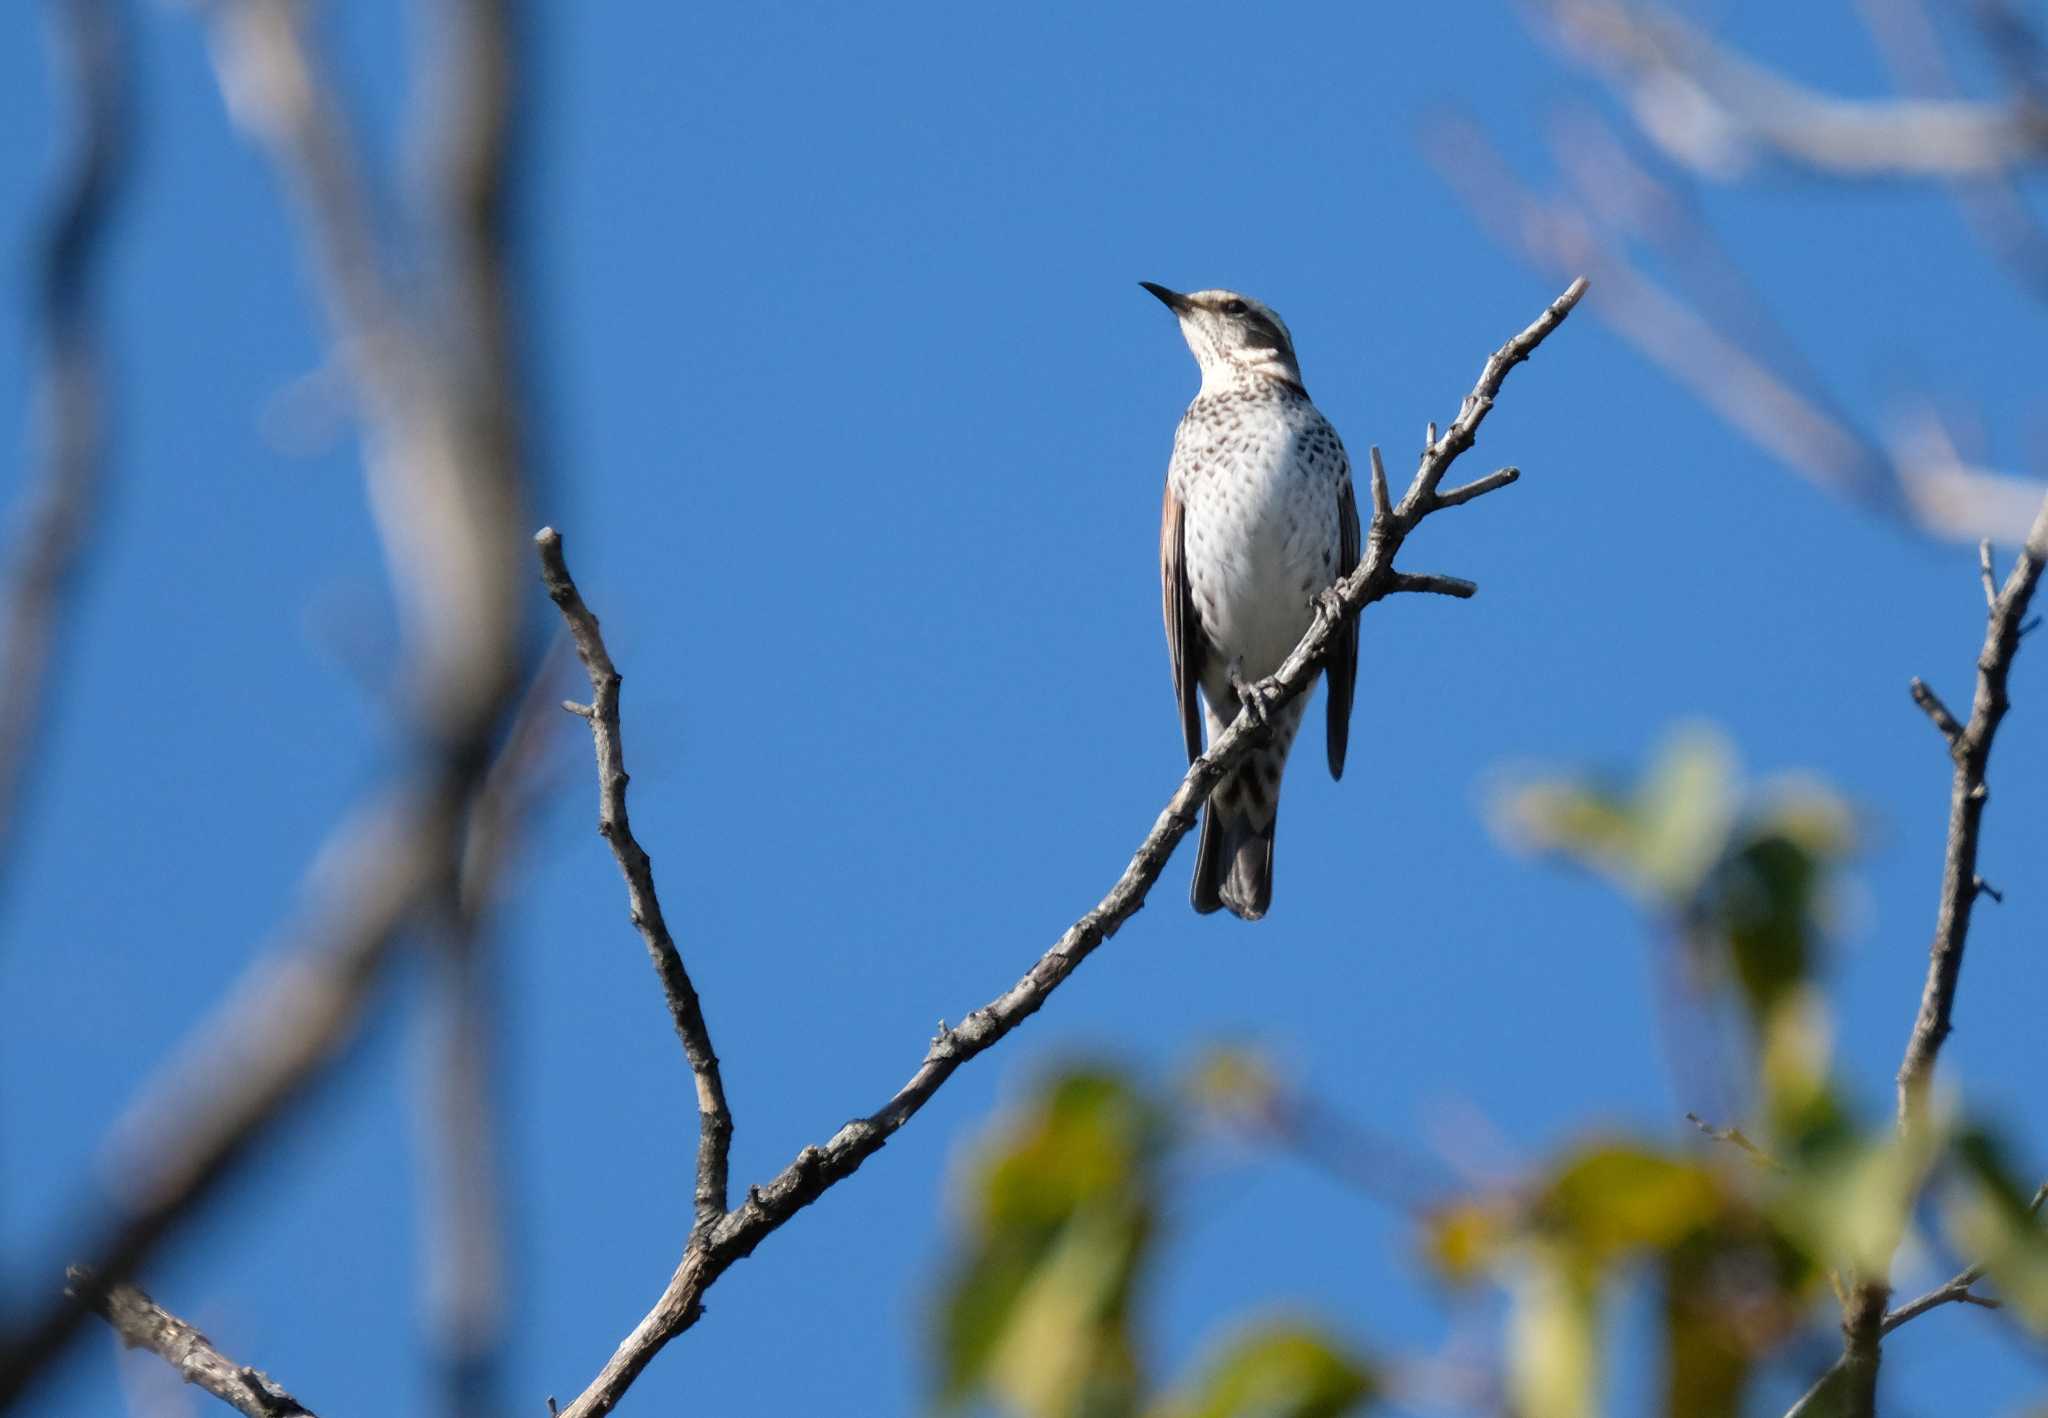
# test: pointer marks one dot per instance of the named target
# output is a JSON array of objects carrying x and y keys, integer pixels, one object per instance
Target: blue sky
[{"x": 854, "y": 419}]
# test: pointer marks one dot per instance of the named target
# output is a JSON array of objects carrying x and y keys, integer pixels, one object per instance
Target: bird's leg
[{"x": 1248, "y": 694}]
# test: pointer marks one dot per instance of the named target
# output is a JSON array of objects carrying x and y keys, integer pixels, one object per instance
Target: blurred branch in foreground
[
  {"x": 1712, "y": 113},
  {"x": 445, "y": 477},
  {"x": 468, "y": 1270},
  {"x": 1722, "y": 113},
  {"x": 716, "y": 1242},
  {"x": 62, "y": 500}
]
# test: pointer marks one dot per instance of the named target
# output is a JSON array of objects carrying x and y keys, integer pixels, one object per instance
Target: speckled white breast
[{"x": 1257, "y": 471}]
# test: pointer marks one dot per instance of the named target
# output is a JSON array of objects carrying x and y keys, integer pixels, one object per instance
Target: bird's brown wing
[
  {"x": 1342, "y": 669},
  {"x": 1183, "y": 631}
]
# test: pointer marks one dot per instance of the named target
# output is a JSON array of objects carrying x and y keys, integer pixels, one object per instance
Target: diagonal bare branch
[
  {"x": 142, "y": 1323},
  {"x": 816, "y": 1169}
]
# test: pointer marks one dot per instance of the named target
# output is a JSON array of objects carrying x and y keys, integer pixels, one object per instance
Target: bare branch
[
  {"x": 1968, "y": 793},
  {"x": 58, "y": 511},
  {"x": 714, "y": 1117},
  {"x": 816, "y": 1169},
  {"x": 1987, "y": 575},
  {"x": 141, "y": 1323},
  {"x": 1863, "y": 1325},
  {"x": 1382, "y": 505}
]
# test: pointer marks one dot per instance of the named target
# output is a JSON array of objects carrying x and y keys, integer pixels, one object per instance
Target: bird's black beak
[{"x": 1172, "y": 299}]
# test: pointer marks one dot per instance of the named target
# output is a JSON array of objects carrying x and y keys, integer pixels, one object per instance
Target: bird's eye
[{"x": 1234, "y": 307}]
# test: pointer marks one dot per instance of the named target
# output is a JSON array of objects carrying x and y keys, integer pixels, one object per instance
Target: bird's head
[{"x": 1232, "y": 335}]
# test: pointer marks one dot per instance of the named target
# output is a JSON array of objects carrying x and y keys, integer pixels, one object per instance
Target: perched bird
[{"x": 1259, "y": 520}]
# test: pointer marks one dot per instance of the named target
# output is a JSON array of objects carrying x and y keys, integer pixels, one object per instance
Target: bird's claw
[
  {"x": 1249, "y": 694},
  {"x": 1329, "y": 605}
]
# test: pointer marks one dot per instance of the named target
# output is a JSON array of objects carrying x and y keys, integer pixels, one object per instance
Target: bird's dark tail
[{"x": 1234, "y": 862}]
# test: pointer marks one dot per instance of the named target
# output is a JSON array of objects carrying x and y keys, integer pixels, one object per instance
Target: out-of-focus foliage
[
  {"x": 1278, "y": 1371},
  {"x": 1988, "y": 1217},
  {"x": 1739, "y": 1243},
  {"x": 1732, "y": 1285},
  {"x": 1061, "y": 1207},
  {"x": 1742, "y": 878}
]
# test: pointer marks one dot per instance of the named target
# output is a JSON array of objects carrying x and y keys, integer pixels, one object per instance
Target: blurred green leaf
[
  {"x": 1599, "y": 1204},
  {"x": 1684, "y": 810},
  {"x": 1656, "y": 842},
  {"x": 1278, "y": 1372},
  {"x": 1995, "y": 1218},
  {"x": 1745, "y": 880},
  {"x": 1612, "y": 1199},
  {"x": 1553, "y": 1367},
  {"x": 1732, "y": 1292},
  {"x": 1065, "y": 1347},
  {"x": 1795, "y": 1045},
  {"x": 1060, "y": 1203},
  {"x": 1848, "y": 1201},
  {"x": 1733, "y": 1285}
]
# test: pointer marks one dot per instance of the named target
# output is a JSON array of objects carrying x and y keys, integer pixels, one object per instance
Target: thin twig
[
  {"x": 714, "y": 1116},
  {"x": 816, "y": 1169},
  {"x": 1956, "y": 1291},
  {"x": 58, "y": 512},
  {"x": 1478, "y": 487},
  {"x": 1736, "y": 1137},
  {"x": 141, "y": 1323},
  {"x": 1931, "y": 705},
  {"x": 1433, "y": 585}
]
